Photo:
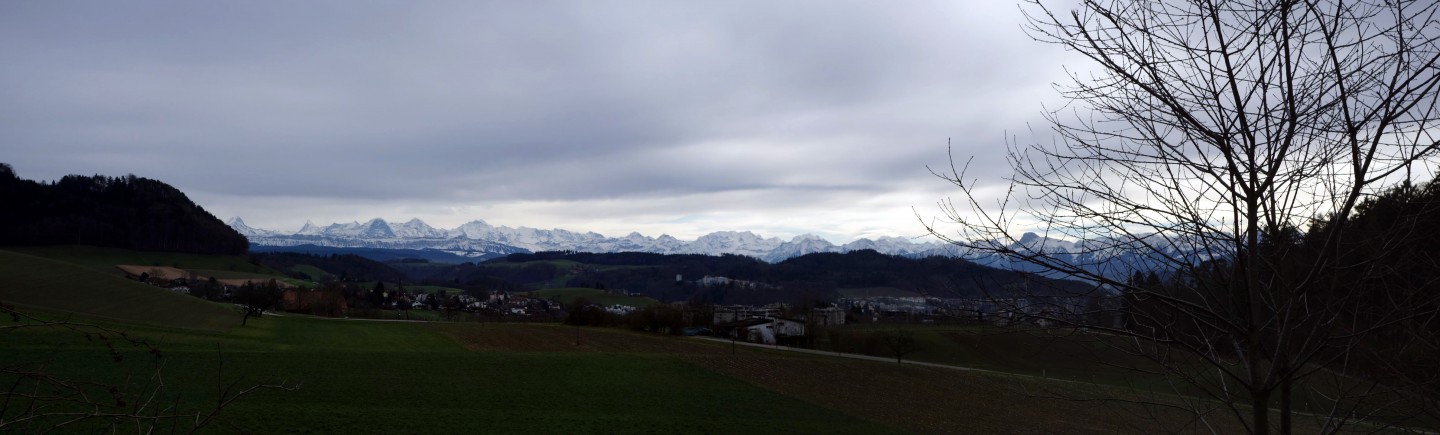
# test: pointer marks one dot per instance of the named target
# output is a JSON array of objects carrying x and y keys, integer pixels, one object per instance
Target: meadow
[
  {"x": 402, "y": 377},
  {"x": 362, "y": 376}
]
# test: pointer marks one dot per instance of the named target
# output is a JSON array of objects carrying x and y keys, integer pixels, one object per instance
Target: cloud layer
[{"x": 658, "y": 117}]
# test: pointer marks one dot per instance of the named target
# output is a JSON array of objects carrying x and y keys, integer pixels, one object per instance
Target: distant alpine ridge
[{"x": 478, "y": 239}]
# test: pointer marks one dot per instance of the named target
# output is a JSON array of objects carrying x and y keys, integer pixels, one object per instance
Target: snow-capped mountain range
[
  {"x": 480, "y": 239},
  {"x": 1114, "y": 258}
]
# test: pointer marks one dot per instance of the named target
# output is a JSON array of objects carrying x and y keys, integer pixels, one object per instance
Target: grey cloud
[{"x": 504, "y": 101}]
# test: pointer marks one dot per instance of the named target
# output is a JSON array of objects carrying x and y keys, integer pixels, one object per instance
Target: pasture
[
  {"x": 104, "y": 259},
  {"x": 360, "y": 376},
  {"x": 32, "y": 281},
  {"x": 363, "y": 376}
]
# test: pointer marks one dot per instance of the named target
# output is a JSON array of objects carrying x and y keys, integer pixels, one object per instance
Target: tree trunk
[
  {"x": 1260, "y": 407},
  {"x": 1285, "y": 404}
]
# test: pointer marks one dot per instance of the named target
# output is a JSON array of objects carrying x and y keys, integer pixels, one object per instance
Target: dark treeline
[
  {"x": 1383, "y": 284},
  {"x": 813, "y": 276},
  {"x": 342, "y": 267},
  {"x": 123, "y": 212},
  {"x": 934, "y": 276},
  {"x": 1393, "y": 238}
]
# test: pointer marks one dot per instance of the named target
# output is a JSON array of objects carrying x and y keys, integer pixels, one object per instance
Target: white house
[{"x": 765, "y": 330}]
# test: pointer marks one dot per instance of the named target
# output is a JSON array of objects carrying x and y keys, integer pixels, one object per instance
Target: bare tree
[
  {"x": 253, "y": 299},
  {"x": 1209, "y": 137},
  {"x": 898, "y": 342},
  {"x": 39, "y": 398}
]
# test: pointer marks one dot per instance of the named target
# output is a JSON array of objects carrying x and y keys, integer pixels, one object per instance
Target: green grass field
[
  {"x": 387, "y": 377},
  {"x": 570, "y": 294},
  {"x": 314, "y": 273},
  {"x": 395, "y": 377},
  {"x": 104, "y": 259},
  {"x": 226, "y": 274},
  {"x": 421, "y": 377},
  {"x": 55, "y": 285},
  {"x": 1020, "y": 350}
]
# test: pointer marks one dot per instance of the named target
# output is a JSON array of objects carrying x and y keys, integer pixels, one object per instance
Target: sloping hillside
[{"x": 58, "y": 286}]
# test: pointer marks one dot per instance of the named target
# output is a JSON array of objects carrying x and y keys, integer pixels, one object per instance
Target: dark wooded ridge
[{"x": 123, "y": 212}]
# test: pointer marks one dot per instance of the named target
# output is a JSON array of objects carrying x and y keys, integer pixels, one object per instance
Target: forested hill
[
  {"x": 123, "y": 212},
  {"x": 819, "y": 274}
]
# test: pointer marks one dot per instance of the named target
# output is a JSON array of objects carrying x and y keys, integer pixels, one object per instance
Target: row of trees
[
  {"x": 794, "y": 280},
  {"x": 657, "y": 318},
  {"x": 1234, "y": 145}
]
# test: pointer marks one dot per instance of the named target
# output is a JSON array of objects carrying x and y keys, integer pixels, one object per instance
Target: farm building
[
  {"x": 735, "y": 313},
  {"x": 762, "y": 329},
  {"x": 827, "y": 316}
]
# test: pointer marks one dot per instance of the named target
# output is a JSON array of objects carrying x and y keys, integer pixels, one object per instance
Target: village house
[
  {"x": 618, "y": 309},
  {"x": 828, "y": 316},
  {"x": 732, "y": 313},
  {"x": 768, "y": 330}
]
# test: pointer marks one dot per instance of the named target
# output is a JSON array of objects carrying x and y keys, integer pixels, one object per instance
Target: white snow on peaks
[
  {"x": 246, "y": 230},
  {"x": 309, "y": 229},
  {"x": 477, "y": 235},
  {"x": 1035, "y": 243},
  {"x": 478, "y": 238},
  {"x": 416, "y": 228},
  {"x": 800, "y": 245}
]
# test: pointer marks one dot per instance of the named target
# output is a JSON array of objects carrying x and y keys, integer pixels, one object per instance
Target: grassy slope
[
  {"x": 1025, "y": 351},
  {"x": 389, "y": 377},
  {"x": 568, "y": 295},
  {"x": 1100, "y": 360},
  {"x": 386, "y": 377},
  {"x": 397, "y": 377},
  {"x": 58, "y": 286},
  {"x": 315, "y": 273},
  {"x": 226, "y": 274},
  {"x": 104, "y": 259}
]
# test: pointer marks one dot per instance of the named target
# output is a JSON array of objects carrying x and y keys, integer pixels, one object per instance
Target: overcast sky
[{"x": 678, "y": 117}]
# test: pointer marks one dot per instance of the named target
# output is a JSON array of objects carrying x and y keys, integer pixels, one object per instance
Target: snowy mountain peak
[
  {"x": 1036, "y": 243},
  {"x": 808, "y": 237},
  {"x": 309, "y": 228},
  {"x": 800, "y": 245},
  {"x": 416, "y": 228},
  {"x": 239, "y": 226},
  {"x": 477, "y": 236},
  {"x": 377, "y": 229}
]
